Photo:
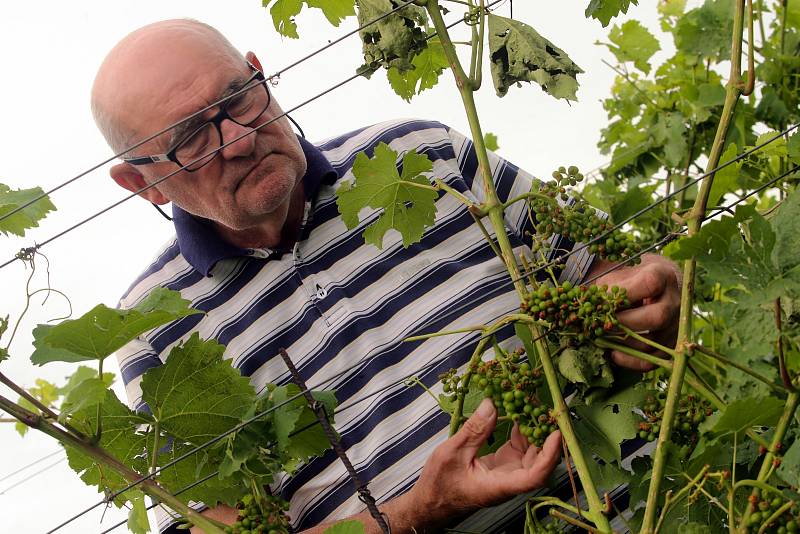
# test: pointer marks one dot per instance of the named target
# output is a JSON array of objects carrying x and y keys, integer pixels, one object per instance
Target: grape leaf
[
  {"x": 586, "y": 367},
  {"x": 378, "y": 184},
  {"x": 671, "y": 8},
  {"x": 138, "y": 523},
  {"x": 519, "y": 54},
  {"x": 605, "y": 424},
  {"x": 490, "y": 140},
  {"x": 103, "y": 330},
  {"x": 742, "y": 414},
  {"x": 789, "y": 470},
  {"x": 727, "y": 178},
  {"x": 82, "y": 373},
  {"x": 605, "y": 10},
  {"x": 633, "y": 42},
  {"x": 89, "y": 392},
  {"x": 793, "y": 148},
  {"x": 29, "y": 217},
  {"x": 284, "y": 11},
  {"x": 706, "y": 30},
  {"x": 310, "y": 439},
  {"x": 786, "y": 252},
  {"x": 193, "y": 468},
  {"x": 120, "y": 438},
  {"x": 394, "y": 40},
  {"x": 427, "y": 66},
  {"x": 197, "y": 395},
  {"x": 349, "y": 526}
]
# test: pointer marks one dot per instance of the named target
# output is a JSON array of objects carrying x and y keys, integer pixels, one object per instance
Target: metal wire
[{"x": 33, "y": 463}]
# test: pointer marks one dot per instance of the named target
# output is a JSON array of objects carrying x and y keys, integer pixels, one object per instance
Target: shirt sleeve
[{"x": 510, "y": 181}]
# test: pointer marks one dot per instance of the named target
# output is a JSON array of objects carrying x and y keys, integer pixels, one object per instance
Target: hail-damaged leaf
[
  {"x": 605, "y": 10},
  {"x": 120, "y": 438},
  {"x": 520, "y": 54},
  {"x": 633, "y": 42},
  {"x": 294, "y": 415},
  {"x": 197, "y": 395},
  {"x": 394, "y": 40},
  {"x": 283, "y": 12},
  {"x": 29, "y": 217},
  {"x": 427, "y": 65},
  {"x": 608, "y": 422},
  {"x": 408, "y": 203},
  {"x": 103, "y": 330},
  {"x": 349, "y": 526},
  {"x": 743, "y": 414}
]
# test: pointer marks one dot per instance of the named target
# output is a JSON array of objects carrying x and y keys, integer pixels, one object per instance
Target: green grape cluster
[
  {"x": 578, "y": 221},
  {"x": 551, "y": 527},
  {"x": 582, "y": 312},
  {"x": 511, "y": 383},
  {"x": 763, "y": 507},
  {"x": 692, "y": 411},
  {"x": 268, "y": 518}
]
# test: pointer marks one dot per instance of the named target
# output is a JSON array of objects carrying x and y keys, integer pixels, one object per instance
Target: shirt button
[{"x": 321, "y": 292}]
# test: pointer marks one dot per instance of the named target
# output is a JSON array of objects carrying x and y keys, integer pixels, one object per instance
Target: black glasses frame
[{"x": 216, "y": 120}]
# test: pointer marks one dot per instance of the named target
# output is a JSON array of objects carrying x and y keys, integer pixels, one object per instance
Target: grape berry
[
  {"x": 762, "y": 509},
  {"x": 269, "y": 518},
  {"x": 692, "y": 411}
]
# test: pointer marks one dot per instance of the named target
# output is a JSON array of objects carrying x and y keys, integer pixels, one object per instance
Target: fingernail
[{"x": 485, "y": 409}]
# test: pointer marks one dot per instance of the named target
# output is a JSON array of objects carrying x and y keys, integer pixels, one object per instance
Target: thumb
[{"x": 475, "y": 431}]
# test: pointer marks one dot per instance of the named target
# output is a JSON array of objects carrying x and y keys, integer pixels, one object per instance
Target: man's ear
[
  {"x": 129, "y": 177},
  {"x": 251, "y": 57}
]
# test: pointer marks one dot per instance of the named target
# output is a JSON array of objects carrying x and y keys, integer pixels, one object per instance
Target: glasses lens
[
  {"x": 193, "y": 151},
  {"x": 248, "y": 106}
]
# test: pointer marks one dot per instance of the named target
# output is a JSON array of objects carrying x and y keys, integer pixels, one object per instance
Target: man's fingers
[
  {"x": 648, "y": 281},
  {"x": 536, "y": 465},
  {"x": 629, "y": 362},
  {"x": 654, "y": 316},
  {"x": 474, "y": 432},
  {"x": 518, "y": 441}
]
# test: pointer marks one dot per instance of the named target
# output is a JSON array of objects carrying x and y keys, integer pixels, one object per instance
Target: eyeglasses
[{"x": 201, "y": 144}]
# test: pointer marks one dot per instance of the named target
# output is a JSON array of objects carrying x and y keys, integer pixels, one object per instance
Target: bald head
[{"x": 153, "y": 57}]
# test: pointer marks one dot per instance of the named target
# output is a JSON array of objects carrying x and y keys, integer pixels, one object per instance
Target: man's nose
[{"x": 238, "y": 140}]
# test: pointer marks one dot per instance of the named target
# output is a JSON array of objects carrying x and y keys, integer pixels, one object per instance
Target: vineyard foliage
[{"x": 719, "y": 407}]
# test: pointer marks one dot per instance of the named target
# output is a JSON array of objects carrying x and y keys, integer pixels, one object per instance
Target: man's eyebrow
[{"x": 185, "y": 127}]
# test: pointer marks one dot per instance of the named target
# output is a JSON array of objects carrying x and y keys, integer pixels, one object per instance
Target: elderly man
[{"x": 261, "y": 248}]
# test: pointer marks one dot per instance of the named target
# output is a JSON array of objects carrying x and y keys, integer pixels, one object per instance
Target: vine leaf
[
  {"x": 45, "y": 392},
  {"x": 705, "y": 32},
  {"x": 89, "y": 392},
  {"x": 725, "y": 179},
  {"x": 284, "y": 11},
  {"x": 605, "y": 10},
  {"x": 407, "y": 208},
  {"x": 586, "y": 367},
  {"x": 742, "y": 414},
  {"x": 427, "y": 66},
  {"x": 350, "y": 526},
  {"x": 394, "y": 40},
  {"x": 120, "y": 438},
  {"x": 789, "y": 470},
  {"x": 138, "y": 523},
  {"x": 197, "y": 395},
  {"x": 605, "y": 424},
  {"x": 520, "y": 54},
  {"x": 194, "y": 467},
  {"x": 103, "y": 330},
  {"x": 490, "y": 140},
  {"x": 633, "y": 42},
  {"x": 295, "y": 415},
  {"x": 11, "y": 199}
]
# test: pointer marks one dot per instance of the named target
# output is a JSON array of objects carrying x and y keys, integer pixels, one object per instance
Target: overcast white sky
[{"x": 49, "y": 51}]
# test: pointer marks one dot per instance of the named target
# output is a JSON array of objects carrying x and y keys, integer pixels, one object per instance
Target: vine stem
[
  {"x": 102, "y": 457},
  {"x": 683, "y": 346},
  {"x": 494, "y": 209},
  {"x": 775, "y": 445},
  {"x": 669, "y": 500}
]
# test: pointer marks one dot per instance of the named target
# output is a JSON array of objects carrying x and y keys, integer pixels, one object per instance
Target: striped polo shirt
[{"x": 333, "y": 301}]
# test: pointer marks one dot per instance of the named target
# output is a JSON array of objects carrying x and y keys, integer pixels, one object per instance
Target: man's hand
[
  {"x": 654, "y": 291},
  {"x": 454, "y": 481}
]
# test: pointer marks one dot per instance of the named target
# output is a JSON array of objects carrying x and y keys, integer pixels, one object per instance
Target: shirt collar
[{"x": 200, "y": 244}]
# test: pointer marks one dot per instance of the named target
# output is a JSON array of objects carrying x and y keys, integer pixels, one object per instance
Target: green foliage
[
  {"x": 490, "y": 140},
  {"x": 743, "y": 414},
  {"x": 29, "y": 217},
  {"x": 138, "y": 523},
  {"x": 426, "y": 67},
  {"x": 519, "y": 54},
  {"x": 705, "y": 32},
  {"x": 633, "y": 42},
  {"x": 605, "y": 10},
  {"x": 103, "y": 330},
  {"x": 283, "y": 12},
  {"x": 407, "y": 199}
]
